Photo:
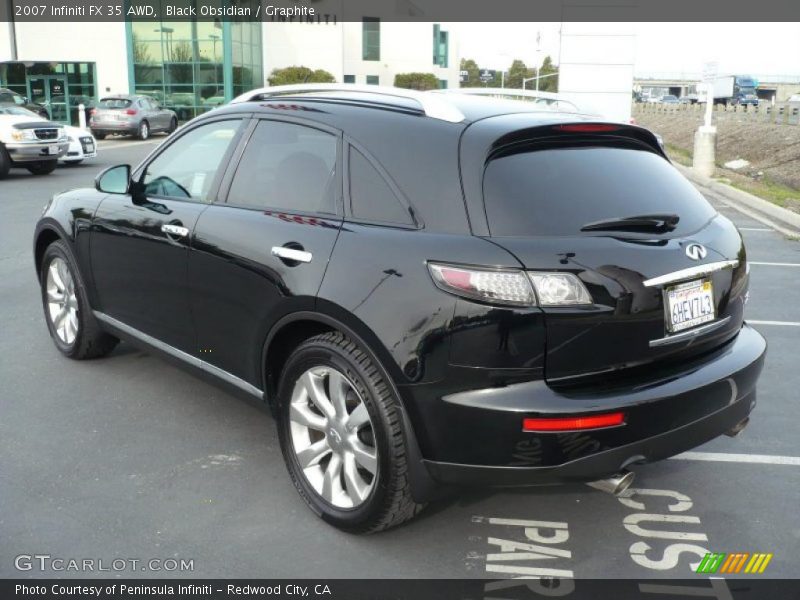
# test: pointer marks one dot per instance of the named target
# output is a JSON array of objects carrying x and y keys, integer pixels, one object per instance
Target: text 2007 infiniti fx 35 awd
[{"x": 429, "y": 290}]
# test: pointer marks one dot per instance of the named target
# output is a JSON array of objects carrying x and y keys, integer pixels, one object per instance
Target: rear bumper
[{"x": 664, "y": 417}]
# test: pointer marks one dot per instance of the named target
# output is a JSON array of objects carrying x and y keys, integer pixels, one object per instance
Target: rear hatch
[
  {"x": 666, "y": 273},
  {"x": 113, "y": 110}
]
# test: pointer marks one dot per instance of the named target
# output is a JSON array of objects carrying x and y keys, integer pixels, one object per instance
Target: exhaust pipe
[
  {"x": 614, "y": 485},
  {"x": 738, "y": 428}
]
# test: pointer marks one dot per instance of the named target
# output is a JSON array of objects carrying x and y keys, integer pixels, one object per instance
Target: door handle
[
  {"x": 292, "y": 254},
  {"x": 178, "y": 230}
]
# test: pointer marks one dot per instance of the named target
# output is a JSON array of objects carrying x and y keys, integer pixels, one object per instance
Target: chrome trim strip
[
  {"x": 691, "y": 272},
  {"x": 180, "y": 354},
  {"x": 690, "y": 334}
]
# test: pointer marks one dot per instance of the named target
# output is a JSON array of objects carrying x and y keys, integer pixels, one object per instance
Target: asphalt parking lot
[{"x": 132, "y": 457}]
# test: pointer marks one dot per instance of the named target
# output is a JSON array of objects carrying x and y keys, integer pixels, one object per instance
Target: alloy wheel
[
  {"x": 62, "y": 301},
  {"x": 333, "y": 437}
]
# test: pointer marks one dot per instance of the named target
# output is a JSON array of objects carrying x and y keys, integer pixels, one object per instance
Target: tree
[
  {"x": 291, "y": 75},
  {"x": 471, "y": 67},
  {"x": 416, "y": 81},
  {"x": 517, "y": 72},
  {"x": 548, "y": 84}
]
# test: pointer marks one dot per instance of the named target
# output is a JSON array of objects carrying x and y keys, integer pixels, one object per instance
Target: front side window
[
  {"x": 287, "y": 167},
  {"x": 371, "y": 198},
  {"x": 187, "y": 168},
  {"x": 371, "y": 39}
]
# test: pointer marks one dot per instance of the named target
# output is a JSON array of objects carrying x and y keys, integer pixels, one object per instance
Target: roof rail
[
  {"x": 434, "y": 106},
  {"x": 547, "y": 98}
]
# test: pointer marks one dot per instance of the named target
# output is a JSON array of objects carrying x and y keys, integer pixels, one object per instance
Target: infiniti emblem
[{"x": 696, "y": 251}]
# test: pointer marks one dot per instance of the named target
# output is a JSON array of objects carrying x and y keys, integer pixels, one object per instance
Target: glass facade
[
  {"x": 192, "y": 67},
  {"x": 441, "y": 43},
  {"x": 371, "y": 39},
  {"x": 59, "y": 86}
]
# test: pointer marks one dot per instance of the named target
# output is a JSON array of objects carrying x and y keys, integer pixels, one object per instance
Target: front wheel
[
  {"x": 42, "y": 168},
  {"x": 341, "y": 438},
  {"x": 173, "y": 125},
  {"x": 70, "y": 321}
]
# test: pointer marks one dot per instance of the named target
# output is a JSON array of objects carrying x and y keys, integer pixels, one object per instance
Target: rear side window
[
  {"x": 558, "y": 191},
  {"x": 371, "y": 198},
  {"x": 287, "y": 167},
  {"x": 114, "y": 103}
]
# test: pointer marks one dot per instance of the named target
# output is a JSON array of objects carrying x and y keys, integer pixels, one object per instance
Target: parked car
[
  {"x": 669, "y": 99},
  {"x": 132, "y": 115},
  {"x": 29, "y": 141},
  {"x": 11, "y": 98},
  {"x": 82, "y": 144},
  {"x": 427, "y": 289}
]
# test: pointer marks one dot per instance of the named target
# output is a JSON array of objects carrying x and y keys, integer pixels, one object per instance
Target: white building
[
  {"x": 366, "y": 52},
  {"x": 194, "y": 66}
]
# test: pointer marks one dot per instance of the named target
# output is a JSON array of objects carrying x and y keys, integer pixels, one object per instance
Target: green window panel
[
  {"x": 371, "y": 39},
  {"x": 373, "y": 80}
]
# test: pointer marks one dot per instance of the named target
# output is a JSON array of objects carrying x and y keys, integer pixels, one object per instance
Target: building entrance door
[{"x": 51, "y": 90}]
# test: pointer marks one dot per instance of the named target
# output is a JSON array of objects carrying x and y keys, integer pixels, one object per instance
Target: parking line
[
  {"x": 786, "y": 323},
  {"x": 121, "y": 144},
  {"x": 774, "y": 264},
  {"x": 755, "y": 229},
  {"x": 757, "y": 459}
]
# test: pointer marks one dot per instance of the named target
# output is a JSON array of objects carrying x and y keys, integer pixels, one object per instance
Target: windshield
[
  {"x": 18, "y": 110},
  {"x": 114, "y": 103},
  {"x": 558, "y": 191}
]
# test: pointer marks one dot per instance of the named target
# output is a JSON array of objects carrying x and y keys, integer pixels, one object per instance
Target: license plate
[
  {"x": 52, "y": 149},
  {"x": 689, "y": 305}
]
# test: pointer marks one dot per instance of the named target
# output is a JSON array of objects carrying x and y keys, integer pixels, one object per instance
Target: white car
[
  {"x": 82, "y": 145},
  {"x": 30, "y": 142}
]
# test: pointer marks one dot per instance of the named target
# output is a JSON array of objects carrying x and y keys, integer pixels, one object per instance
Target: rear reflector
[
  {"x": 586, "y": 127},
  {"x": 130, "y": 111},
  {"x": 574, "y": 423}
]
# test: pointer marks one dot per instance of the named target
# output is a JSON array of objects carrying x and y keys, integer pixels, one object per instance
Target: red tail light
[
  {"x": 574, "y": 423},
  {"x": 586, "y": 127},
  {"x": 130, "y": 111}
]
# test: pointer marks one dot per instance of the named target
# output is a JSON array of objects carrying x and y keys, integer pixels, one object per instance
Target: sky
[{"x": 742, "y": 48}]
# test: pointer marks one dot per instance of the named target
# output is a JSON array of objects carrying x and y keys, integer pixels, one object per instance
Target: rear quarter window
[{"x": 557, "y": 191}]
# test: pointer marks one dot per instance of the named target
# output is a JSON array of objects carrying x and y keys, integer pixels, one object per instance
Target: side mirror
[{"x": 114, "y": 180}]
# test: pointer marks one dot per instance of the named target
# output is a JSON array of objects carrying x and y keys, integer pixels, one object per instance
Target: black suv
[{"x": 426, "y": 288}]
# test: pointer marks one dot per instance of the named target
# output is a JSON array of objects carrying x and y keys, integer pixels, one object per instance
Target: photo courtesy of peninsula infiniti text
[{"x": 429, "y": 290}]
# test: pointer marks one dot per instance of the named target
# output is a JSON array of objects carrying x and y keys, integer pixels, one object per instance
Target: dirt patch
[{"x": 772, "y": 150}]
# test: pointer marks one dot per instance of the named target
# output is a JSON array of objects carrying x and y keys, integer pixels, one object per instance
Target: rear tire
[
  {"x": 5, "y": 162},
  {"x": 67, "y": 313},
  {"x": 144, "y": 130},
  {"x": 340, "y": 448},
  {"x": 99, "y": 136},
  {"x": 42, "y": 168}
]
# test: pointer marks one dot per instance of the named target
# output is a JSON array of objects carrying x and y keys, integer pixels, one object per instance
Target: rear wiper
[{"x": 643, "y": 223}]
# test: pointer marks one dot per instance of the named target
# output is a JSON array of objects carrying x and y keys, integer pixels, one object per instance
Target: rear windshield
[
  {"x": 114, "y": 103},
  {"x": 558, "y": 191}
]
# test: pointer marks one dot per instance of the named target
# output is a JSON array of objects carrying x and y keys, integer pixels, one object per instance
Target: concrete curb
[{"x": 781, "y": 219}]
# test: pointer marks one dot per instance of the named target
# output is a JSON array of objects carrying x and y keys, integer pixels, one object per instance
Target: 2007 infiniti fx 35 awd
[{"x": 427, "y": 289}]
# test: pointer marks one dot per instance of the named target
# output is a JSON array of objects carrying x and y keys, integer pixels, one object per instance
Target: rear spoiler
[{"x": 580, "y": 132}]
